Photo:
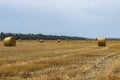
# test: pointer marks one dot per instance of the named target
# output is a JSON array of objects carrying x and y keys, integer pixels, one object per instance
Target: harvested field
[{"x": 68, "y": 60}]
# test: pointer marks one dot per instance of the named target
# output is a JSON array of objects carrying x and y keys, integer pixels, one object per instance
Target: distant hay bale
[
  {"x": 67, "y": 39},
  {"x": 41, "y": 40},
  {"x": 30, "y": 39},
  {"x": 20, "y": 40},
  {"x": 26, "y": 39},
  {"x": 10, "y": 41},
  {"x": 37, "y": 40},
  {"x": 58, "y": 40},
  {"x": 101, "y": 42}
]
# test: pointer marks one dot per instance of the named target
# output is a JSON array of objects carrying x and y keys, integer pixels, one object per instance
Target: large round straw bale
[
  {"x": 10, "y": 41},
  {"x": 101, "y": 42},
  {"x": 41, "y": 40},
  {"x": 58, "y": 40}
]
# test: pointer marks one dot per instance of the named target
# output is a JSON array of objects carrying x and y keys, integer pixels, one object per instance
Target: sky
[{"x": 82, "y": 18}]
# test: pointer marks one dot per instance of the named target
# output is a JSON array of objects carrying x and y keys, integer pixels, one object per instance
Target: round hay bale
[
  {"x": 10, "y": 41},
  {"x": 67, "y": 39},
  {"x": 101, "y": 42},
  {"x": 20, "y": 40},
  {"x": 37, "y": 40},
  {"x": 30, "y": 39},
  {"x": 58, "y": 40},
  {"x": 41, "y": 40}
]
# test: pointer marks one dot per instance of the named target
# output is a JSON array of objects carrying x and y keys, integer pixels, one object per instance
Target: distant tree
[{"x": 39, "y": 36}]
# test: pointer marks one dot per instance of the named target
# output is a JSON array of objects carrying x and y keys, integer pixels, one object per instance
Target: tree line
[{"x": 39, "y": 36}]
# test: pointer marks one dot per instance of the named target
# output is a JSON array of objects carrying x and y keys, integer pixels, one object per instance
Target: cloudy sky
[{"x": 84, "y": 18}]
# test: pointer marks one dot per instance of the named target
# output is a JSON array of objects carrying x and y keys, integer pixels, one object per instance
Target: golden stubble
[{"x": 68, "y": 60}]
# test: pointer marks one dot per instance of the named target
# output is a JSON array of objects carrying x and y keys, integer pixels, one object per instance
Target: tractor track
[{"x": 102, "y": 67}]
